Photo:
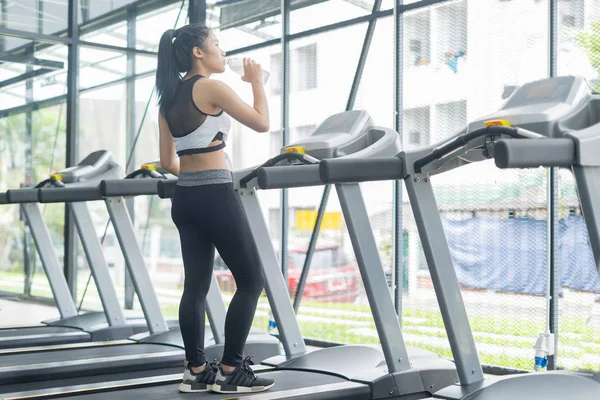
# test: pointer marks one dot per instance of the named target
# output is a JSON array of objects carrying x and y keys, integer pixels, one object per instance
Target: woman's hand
[{"x": 252, "y": 71}]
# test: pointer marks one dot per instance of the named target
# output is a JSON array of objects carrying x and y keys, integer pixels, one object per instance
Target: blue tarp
[{"x": 510, "y": 254}]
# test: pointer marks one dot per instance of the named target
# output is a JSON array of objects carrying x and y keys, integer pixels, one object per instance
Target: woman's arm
[
  {"x": 168, "y": 155},
  {"x": 223, "y": 97}
]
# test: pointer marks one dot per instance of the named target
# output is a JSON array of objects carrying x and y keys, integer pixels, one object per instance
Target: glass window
[
  {"x": 115, "y": 35},
  {"x": 245, "y": 23},
  {"x": 12, "y": 174},
  {"x": 150, "y": 26},
  {"x": 376, "y": 90},
  {"x": 326, "y": 12},
  {"x": 146, "y": 122},
  {"x": 51, "y": 79},
  {"x": 322, "y": 258},
  {"x": 32, "y": 146},
  {"x": 100, "y": 66},
  {"x": 449, "y": 119},
  {"x": 416, "y": 127},
  {"x": 35, "y": 71},
  {"x": 417, "y": 39},
  {"x": 45, "y": 16},
  {"x": 578, "y": 44},
  {"x": 303, "y": 69},
  {"x": 571, "y": 13},
  {"x": 145, "y": 64},
  {"x": 102, "y": 121},
  {"x": 90, "y": 9},
  {"x": 451, "y": 33}
]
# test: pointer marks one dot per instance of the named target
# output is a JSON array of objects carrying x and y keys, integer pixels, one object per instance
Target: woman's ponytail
[
  {"x": 175, "y": 57},
  {"x": 167, "y": 73}
]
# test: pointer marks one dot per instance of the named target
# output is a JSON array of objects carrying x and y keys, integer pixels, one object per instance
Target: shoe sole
[
  {"x": 187, "y": 388},
  {"x": 241, "y": 389}
]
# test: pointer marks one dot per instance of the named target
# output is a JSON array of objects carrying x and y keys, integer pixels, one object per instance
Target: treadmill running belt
[
  {"x": 11, "y": 338},
  {"x": 284, "y": 380},
  {"x": 85, "y": 353},
  {"x": 64, "y": 363},
  {"x": 86, "y": 380}
]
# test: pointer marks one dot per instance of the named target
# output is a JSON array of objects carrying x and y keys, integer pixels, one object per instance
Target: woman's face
[{"x": 213, "y": 58}]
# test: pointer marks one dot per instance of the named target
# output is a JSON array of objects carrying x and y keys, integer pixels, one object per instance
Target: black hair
[{"x": 174, "y": 57}]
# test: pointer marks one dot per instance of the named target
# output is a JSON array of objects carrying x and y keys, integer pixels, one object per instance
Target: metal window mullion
[
  {"x": 70, "y": 247},
  {"x": 398, "y": 127},
  {"x": 130, "y": 136},
  {"x": 552, "y": 206},
  {"x": 285, "y": 124}
]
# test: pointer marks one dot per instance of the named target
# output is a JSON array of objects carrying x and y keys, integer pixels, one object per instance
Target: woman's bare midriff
[{"x": 204, "y": 161}]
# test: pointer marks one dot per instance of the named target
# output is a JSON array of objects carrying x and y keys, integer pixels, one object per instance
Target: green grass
[{"x": 335, "y": 329}]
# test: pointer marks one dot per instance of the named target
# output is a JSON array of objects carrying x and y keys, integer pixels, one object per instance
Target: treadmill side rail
[
  {"x": 443, "y": 276},
  {"x": 98, "y": 265},
  {"x": 275, "y": 285},
  {"x": 58, "y": 284},
  {"x": 136, "y": 265},
  {"x": 373, "y": 276}
]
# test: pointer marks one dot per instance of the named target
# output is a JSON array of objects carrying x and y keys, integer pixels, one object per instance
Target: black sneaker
[
  {"x": 241, "y": 380},
  {"x": 193, "y": 383}
]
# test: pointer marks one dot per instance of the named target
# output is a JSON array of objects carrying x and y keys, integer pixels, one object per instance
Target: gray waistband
[{"x": 205, "y": 177}]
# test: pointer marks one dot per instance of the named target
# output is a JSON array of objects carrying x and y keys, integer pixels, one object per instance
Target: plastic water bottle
[
  {"x": 544, "y": 346},
  {"x": 237, "y": 66},
  {"x": 272, "y": 324}
]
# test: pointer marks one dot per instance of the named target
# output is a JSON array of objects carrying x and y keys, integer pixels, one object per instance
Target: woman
[{"x": 193, "y": 124}]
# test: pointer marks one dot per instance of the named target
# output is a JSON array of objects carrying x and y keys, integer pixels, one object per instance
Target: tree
[
  {"x": 48, "y": 148},
  {"x": 590, "y": 42}
]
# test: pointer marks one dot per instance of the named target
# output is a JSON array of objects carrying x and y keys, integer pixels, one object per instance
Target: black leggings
[{"x": 209, "y": 216}]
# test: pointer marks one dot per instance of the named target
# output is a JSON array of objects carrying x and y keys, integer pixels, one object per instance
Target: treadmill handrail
[
  {"x": 510, "y": 153},
  {"x": 353, "y": 170},
  {"x": 166, "y": 188},
  {"x": 288, "y": 176},
  {"x": 22, "y": 195},
  {"x": 129, "y": 187},
  {"x": 292, "y": 155},
  {"x": 461, "y": 140},
  {"x": 66, "y": 194}
]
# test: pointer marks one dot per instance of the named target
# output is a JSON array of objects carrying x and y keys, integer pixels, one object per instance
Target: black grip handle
[
  {"x": 22, "y": 195},
  {"x": 292, "y": 176},
  {"x": 3, "y": 198},
  {"x": 166, "y": 188},
  {"x": 533, "y": 153},
  {"x": 69, "y": 194},
  {"x": 128, "y": 187},
  {"x": 343, "y": 170}
]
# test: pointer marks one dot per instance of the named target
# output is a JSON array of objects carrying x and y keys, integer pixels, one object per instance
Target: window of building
[
  {"x": 450, "y": 118},
  {"x": 416, "y": 127},
  {"x": 571, "y": 13},
  {"x": 418, "y": 42},
  {"x": 303, "y": 69},
  {"x": 451, "y": 37},
  {"x": 304, "y": 74}
]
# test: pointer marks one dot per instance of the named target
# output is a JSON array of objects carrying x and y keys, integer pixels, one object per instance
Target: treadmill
[
  {"x": 144, "y": 181},
  {"x": 71, "y": 327},
  {"x": 348, "y": 372},
  {"x": 155, "y": 352},
  {"x": 552, "y": 122}
]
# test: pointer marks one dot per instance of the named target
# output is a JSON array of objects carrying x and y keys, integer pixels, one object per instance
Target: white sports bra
[{"x": 191, "y": 128}]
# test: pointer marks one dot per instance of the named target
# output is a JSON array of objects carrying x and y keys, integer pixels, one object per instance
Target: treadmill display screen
[
  {"x": 337, "y": 125},
  {"x": 554, "y": 90}
]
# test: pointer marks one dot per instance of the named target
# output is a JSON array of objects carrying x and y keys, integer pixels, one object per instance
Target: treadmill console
[
  {"x": 538, "y": 105},
  {"x": 563, "y": 89},
  {"x": 335, "y": 131},
  {"x": 96, "y": 166}
]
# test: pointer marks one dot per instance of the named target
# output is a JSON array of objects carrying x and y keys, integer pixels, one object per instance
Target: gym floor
[{"x": 20, "y": 312}]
